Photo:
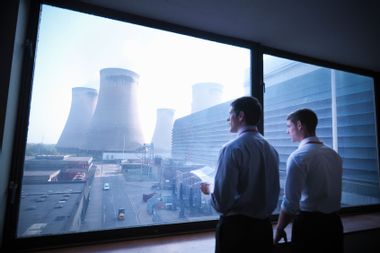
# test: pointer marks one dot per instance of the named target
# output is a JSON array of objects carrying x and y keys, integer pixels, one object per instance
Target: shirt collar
[
  {"x": 249, "y": 128},
  {"x": 308, "y": 139}
]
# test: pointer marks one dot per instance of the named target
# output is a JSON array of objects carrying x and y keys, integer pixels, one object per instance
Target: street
[{"x": 104, "y": 204}]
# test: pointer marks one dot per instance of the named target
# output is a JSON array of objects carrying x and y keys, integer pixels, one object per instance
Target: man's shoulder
[
  {"x": 235, "y": 144},
  {"x": 232, "y": 143},
  {"x": 332, "y": 152},
  {"x": 305, "y": 153},
  {"x": 244, "y": 140},
  {"x": 298, "y": 154}
]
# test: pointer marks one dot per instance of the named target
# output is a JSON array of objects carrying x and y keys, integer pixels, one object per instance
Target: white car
[{"x": 106, "y": 186}]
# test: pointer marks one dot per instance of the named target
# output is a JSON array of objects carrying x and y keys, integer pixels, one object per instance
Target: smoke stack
[
  {"x": 206, "y": 95},
  {"x": 162, "y": 136},
  {"x": 115, "y": 125},
  {"x": 82, "y": 108}
]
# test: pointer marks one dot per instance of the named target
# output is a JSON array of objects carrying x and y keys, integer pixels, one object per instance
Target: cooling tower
[
  {"x": 115, "y": 126},
  {"x": 247, "y": 82},
  {"x": 82, "y": 108},
  {"x": 206, "y": 95},
  {"x": 162, "y": 136}
]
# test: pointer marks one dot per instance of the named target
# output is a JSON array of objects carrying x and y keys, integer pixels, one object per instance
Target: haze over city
[{"x": 71, "y": 55}]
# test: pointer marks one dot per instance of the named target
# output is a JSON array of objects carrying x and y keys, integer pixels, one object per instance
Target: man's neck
[
  {"x": 308, "y": 135},
  {"x": 247, "y": 128}
]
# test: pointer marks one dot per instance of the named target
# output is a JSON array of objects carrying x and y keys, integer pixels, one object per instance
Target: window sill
[{"x": 203, "y": 241}]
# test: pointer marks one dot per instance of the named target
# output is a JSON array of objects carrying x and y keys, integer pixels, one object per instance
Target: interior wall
[{"x": 13, "y": 30}]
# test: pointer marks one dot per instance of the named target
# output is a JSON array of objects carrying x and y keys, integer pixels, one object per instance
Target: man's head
[
  {"x": 244, "y": 111},
  {"x": 301, "y": 124}
]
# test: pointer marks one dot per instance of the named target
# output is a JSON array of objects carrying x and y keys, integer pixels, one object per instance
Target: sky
[{"x": 73, "y": 47}]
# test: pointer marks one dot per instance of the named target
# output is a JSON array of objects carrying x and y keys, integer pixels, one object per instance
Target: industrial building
[
  {"x": 55, "y": 193},
  {"x": 197, "y": 138},
  {"x": 52, "y": 208},
  {"x": 346, "y": 121},
  {"x": 57, "y": 168}
]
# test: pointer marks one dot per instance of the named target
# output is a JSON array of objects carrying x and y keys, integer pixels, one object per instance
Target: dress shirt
[
  {"x": 313, "y": 179},
  {"x": 247, "y": 177}
]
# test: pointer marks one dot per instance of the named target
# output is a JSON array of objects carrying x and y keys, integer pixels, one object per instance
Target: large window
[
  {"x": 123, "y": 120},
  {"x": 344, "y": 103}
]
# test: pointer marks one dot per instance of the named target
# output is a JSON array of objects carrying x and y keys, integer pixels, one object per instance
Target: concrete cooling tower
[
  {"x": 115, "y": 126},
  {"x": 247, "y": 82},
  {"x": 206, "y": 95},
  {"x": 162, "y": 136},
  {"x": 82, "y": 108}
]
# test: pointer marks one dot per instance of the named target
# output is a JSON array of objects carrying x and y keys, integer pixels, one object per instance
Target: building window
[
  {"x": 344, "y": 103},
  {"x": 124, "y": 120}
]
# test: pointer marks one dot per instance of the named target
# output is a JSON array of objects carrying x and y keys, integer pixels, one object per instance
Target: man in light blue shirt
[
  {"x": 247, "y": 186},
  {"x": 313, "y": 188}
]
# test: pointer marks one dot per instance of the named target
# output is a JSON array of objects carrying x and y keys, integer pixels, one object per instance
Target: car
[
  {"x": 106, "y": 186},
  {"x": 121, "y": 214}
]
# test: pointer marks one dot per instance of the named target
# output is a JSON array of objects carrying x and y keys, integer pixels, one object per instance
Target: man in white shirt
[
  {"x": 247, "y": 186},
  {"x": 312, "y": 191}
]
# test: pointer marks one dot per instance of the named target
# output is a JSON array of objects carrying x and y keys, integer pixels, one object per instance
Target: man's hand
[
  {"x": 280, "y": 234},
  {"x": 205, "y": 188}
]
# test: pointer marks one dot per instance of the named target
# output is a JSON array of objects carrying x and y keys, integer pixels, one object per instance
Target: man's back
[
  {"x": 322, "y": 168},
  {"x": 250, "y": 164}
]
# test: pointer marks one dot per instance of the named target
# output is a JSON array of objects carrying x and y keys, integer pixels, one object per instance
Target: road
[
  {"x": 125, "y": 193},
  {"x": 104, "y": 204}
]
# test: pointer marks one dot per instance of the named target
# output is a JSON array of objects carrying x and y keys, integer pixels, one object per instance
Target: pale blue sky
[{"x": 73, "y": 47}]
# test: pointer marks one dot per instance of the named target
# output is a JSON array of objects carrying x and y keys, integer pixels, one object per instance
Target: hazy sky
[{"x": 73, "y": 47}]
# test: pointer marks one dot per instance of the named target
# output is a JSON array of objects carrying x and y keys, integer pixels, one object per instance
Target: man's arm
[
  {"x": 226, "y": 180},
  {"x": 283, "y": 220},
  {"x": 294, "y": 183}
]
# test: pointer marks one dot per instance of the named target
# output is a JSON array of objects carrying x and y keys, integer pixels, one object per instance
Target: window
[
  {"x": 344, "y": 103},
  {"x": 122, "y": 118},
  {"x": 119, "y": 137}
]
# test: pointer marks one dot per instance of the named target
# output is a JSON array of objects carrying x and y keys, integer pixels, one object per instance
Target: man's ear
[
  {"x": 241, "y": 116},
  {"x": 299, "y": 125}
]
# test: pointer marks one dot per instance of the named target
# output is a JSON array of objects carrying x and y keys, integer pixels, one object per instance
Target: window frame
[{"x": 32, "y": 13}]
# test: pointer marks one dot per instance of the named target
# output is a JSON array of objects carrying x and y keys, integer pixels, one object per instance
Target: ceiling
[{"x": 344, "y": 32}]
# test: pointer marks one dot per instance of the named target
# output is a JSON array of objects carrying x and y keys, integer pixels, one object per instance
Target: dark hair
[
  {"x": 250, "y": 106},
  {"x": 307, "y": 118}
]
